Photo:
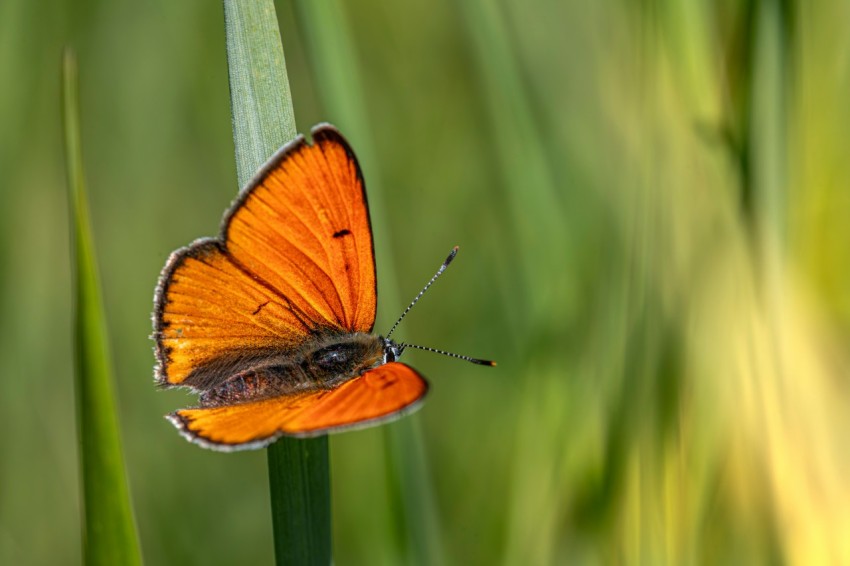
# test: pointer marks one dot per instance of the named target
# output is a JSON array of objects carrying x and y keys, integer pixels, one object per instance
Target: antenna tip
[
  {"x": 451, "y": 256},
  {"x": 490, "y": 363}
]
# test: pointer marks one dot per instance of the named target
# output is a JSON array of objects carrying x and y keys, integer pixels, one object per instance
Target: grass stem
[{"x": 263, "y": 120}]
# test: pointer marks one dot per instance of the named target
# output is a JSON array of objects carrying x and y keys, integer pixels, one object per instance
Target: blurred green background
[{"x": 651, "y": 203}]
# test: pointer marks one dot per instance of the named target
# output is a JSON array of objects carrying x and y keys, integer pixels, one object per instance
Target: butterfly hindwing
[{"x": 380, "y": 394}]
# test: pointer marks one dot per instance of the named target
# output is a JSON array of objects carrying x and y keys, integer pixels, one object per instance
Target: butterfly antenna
[
  {"x": 422, "y": 292},
  {"x": 443, "y": 352}
]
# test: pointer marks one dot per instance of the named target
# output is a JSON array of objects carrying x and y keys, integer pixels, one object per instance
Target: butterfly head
[{"x": 392, "y": 351}]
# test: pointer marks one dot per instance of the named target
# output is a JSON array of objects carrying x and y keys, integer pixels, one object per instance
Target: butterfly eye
[{"x": 392, "y": 351}]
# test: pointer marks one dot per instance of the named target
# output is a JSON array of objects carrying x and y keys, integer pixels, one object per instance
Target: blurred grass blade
[
  {"x": 263, "y": 120},
  {"x": 109, "y": 531},
  {"x": 529, "y": 179},
  {"x": 537, "y": 216},
  {"x": 412, "y": 493},
  {"x": 413, "y": 509},
  {"x": 768, "y": 111}
]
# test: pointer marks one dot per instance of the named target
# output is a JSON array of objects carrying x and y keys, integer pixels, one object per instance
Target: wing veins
[
  {"x": 275, "y": 291},
  {"x": 317, "y": 202},
  {"x": 296, "y": 265}
]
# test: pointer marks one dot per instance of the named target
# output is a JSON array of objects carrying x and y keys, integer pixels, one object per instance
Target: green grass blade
[
  {"x": 299, "y": 482},
  {"x": 260, "y": 100},
  {"x": 109, "y": 531},
  {"x": 263, "y": 120}
]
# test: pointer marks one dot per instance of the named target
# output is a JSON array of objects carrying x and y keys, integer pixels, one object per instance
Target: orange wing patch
[
  {"x": 304, "y": 228},
  {"x": 295, "y": 258},
  {"x": 214, "y": 314},
  {"x": 383, "y": 393}
]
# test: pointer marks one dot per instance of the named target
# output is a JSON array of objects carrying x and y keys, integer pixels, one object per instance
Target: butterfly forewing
[
  {"x": 295, "y": 260},
  {"x": 305, "y": 230},
  {"x": 213, "y": 315}
]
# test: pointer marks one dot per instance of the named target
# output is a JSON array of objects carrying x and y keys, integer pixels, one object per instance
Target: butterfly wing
[
  {"x": 295, "y": 259},
  {"x": 304, "y": 228},
  {"x": 380, "y": 394}
]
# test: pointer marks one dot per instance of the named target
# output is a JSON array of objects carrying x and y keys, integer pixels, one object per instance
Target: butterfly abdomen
[
  {"x": 253, "y": 384},
  {"x": 322, "y": 364}
]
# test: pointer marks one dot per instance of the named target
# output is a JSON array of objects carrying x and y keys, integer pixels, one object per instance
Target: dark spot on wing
[
  {"x": 341, "y": 233},
  {"x": 259, "y": 308}
]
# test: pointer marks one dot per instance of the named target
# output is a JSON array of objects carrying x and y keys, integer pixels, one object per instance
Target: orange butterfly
[{"x": 271, "y": 322}]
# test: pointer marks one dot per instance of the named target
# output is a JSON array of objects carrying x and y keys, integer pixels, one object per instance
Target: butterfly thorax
[{"x": 322, "y": 363}]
